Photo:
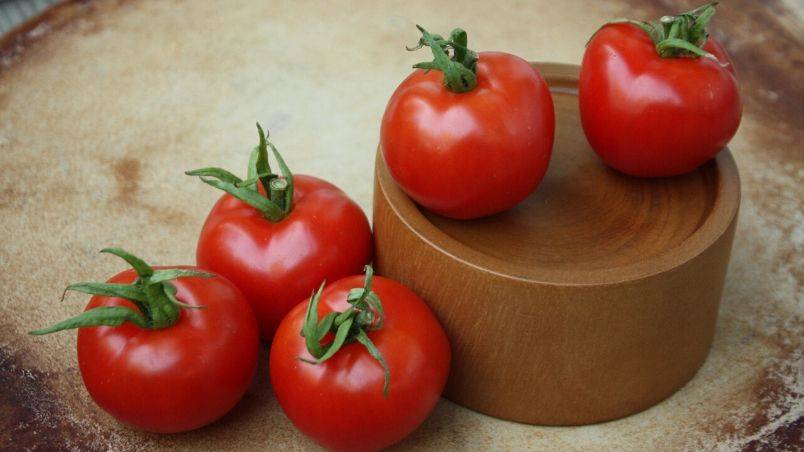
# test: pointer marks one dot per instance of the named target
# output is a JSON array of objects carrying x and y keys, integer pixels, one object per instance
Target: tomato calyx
[
  {"x": 681, "y": 36},
  {"x": 152, "y": 293},
  {"x": 460, "y": 70},
  {"x": 364, "y": 315},
  {"x": 277, "y": 203}
]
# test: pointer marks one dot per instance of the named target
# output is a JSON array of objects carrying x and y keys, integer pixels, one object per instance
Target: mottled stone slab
[{"x": 104, "y": 104}]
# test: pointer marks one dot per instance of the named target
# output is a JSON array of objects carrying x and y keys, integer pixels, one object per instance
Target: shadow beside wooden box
[{"x": 593, "y": 299}]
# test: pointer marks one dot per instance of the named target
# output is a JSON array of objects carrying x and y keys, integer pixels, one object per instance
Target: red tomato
[
  {"x": 471, "y": 154},
  {"x": 340, "y": 402},
  {"x": 650, "y": 116},
  {"x": 176, "y": 378},
  {"x": 276, "y": 265}
]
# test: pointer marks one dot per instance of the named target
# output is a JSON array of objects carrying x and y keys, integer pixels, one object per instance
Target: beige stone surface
[{"x": 105, "y": 104}]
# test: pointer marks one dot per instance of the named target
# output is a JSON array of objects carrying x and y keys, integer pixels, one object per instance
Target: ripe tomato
[
  {"x": 172, "y": 378},
  {"x": 653, "y": 116},
  {"x": 341, "y": 402},
  {"x": 326, "y": 236},
  {"x": 321, "y": 235},
  {"x": 473, "y": 153}
]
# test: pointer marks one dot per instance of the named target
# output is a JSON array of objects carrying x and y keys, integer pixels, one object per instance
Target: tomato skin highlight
[
  {"x": 340, "y": 402},
  {"x": 325, "y": 237},
  {"x": 649, "y": 116},
  {"x": 177, "y": 378},
  {"x": 473, "y": 154}
]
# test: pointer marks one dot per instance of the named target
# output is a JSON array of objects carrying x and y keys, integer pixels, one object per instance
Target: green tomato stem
[
  {"x": 681, "y": 36},
  {"x": 365, "y": 314},
  {"x": 277, "y": 202},
  {"x": 278, "y": 187},
  {"x": 460, "y": 70},
  {"x": 152, "y": 293}
]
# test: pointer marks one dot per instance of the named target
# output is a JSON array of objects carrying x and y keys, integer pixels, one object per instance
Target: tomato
[
  {"x": 326, "y": 236},
  {"x": 653, "y": 116},
  {"x": 276, "y": 264},
  {"x": 341, "y": 402},
  {"x": 473, "y": 153},
  {"x": 172, "y": 378}
]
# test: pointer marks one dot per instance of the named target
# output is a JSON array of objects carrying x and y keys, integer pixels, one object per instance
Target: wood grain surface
[
  {"x": 594, "y": 298},
  {"x": 103, "y": 104}
]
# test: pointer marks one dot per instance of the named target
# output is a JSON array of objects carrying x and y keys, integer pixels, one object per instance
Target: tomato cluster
[
  {"x": 362, "y": 362},
  {"x": 171, "y": 349}
]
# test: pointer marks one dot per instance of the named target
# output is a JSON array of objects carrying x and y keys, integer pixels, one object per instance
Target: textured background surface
[{"x": 104, "y": 105}]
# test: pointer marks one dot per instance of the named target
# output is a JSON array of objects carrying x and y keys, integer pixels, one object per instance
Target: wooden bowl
[{"x": 593, "y": 299}]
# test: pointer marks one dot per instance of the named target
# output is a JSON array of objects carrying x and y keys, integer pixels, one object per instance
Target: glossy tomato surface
[
  {"x": 340, "y": 402},
  {"x": 177, "y": 378},
  {"x": 650, "y": 116},
  {"x": 472, "y": 154},
  {"x": 325, "y": 237}
]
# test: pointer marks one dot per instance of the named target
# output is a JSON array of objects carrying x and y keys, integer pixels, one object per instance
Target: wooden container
[{"x": 593, "y": 299}]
